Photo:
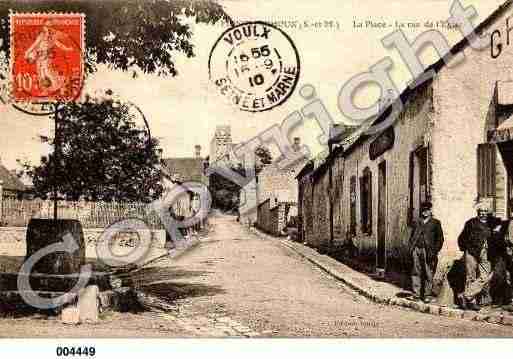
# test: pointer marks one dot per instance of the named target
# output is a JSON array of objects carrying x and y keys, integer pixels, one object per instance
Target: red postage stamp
[{"x": 47, "y": 56}]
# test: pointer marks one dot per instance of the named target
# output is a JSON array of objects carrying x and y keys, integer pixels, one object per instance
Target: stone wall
[
  {"x": 278, "y": 183},
  {"x": 339, "y": 225},
  {"x": 91, "y": 235},
  {"x": 274, "y": 219},
  {"x": 264, "y": 221},
  {"x": 306, "y": 213},
  {"x": 314, "y": 209},
  {"x": 13, "y": 243}
]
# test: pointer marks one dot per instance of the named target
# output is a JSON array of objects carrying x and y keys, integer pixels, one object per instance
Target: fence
[{"x": 17, "y": 213}]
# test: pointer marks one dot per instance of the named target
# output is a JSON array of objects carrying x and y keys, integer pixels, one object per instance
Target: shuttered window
[
  {"x": 366, "y": 201},
  {"x": 423, "y": 174},
  {"x": 486, "y": 163},
  {"x": 418, "y": 181},
  {"x": 352, "y": 204}
]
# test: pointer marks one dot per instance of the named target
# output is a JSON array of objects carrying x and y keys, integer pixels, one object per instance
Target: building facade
[
  {"x": 452, "y": 144},
  {"x": 178, "y": 171}
]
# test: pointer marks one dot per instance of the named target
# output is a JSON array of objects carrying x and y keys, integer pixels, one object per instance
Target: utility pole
[{"x": 56, "y": 153}]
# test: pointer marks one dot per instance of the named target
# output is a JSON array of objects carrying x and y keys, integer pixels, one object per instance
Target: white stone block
[
  {"x": 88, "y": 304},
  {"x": 70, "y": 315}
]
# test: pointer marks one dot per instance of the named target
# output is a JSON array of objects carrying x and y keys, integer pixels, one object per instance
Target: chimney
[
  {"x": 297, "y": 144},
  {"x": 197, "y": 151},
  {"x": 386, "y": 100}
]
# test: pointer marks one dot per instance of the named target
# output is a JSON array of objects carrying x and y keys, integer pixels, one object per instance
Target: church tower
[{"x": 221, "y": 144}]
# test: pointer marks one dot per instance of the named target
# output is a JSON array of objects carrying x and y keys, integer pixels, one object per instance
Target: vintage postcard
[{"x": 243, "y": 169}]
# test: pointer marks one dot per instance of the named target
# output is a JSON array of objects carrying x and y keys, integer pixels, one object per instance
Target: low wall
[
  {"x": 274, "y": 220},
  {"x": 91, "y": 235},
  {"x": 13, "y": 242}
]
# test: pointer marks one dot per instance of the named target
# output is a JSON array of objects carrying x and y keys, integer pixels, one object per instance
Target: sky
[{"x": 184, "y": 110}]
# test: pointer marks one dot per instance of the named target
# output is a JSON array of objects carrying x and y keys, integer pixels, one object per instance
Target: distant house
[
  {"x": 180, "y": 170},
  {"x": 277, "y": 191},
  {"x": 11, "y": 185}
]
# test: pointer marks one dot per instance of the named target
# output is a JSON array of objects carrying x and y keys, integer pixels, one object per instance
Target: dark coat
[
  {"x": 475, "y": 234},
  {"x": 428, "y": 235}
]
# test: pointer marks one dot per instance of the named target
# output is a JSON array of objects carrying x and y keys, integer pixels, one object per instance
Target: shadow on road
[
  {"x": 154, "y": 274},
  {"x": 167, "y": 282},
  {"x": 147, "y": 288},
  {"x": 176, "y": 290}
]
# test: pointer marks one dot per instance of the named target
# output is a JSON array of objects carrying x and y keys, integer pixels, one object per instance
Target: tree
[
  {"x": 103, "y": 156},
  {"x": 225, "y": 193},
  {"x": 263, "y": 158},
  {"x": 126, "y": 35}
]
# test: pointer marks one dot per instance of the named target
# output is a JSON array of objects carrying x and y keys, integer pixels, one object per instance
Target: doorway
[
  {"x": 382, "y": 216},
  {"x": 506, "y": 150}
]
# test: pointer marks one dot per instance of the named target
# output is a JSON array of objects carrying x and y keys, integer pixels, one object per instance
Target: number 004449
[{"x": 75, "y": 351}]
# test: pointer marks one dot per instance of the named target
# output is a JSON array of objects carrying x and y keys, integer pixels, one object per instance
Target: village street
[{"x": 236, "y": 284}]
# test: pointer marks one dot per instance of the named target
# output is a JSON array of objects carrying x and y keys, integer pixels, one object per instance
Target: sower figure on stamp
[
  {"x": 41, "y": 52},
  {"x": 483, "y": 245},
  {"x": 425, "y": 243}
]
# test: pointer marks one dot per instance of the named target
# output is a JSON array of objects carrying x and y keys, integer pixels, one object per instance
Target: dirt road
[{"x": 237, "y": 284}]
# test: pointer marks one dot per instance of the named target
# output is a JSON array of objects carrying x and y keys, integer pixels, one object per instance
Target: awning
[
  {"x": 503, "y": 134},
  {"x": 503, "y": 137}
]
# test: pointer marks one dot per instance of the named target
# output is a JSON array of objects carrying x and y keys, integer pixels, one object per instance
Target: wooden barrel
[{"x": 44, "y": 232}]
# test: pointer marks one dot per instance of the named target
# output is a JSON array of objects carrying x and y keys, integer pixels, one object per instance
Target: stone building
[
  {"x": 278, "y": 194},
  {"x": 452, "y": 144},
  {"x": 313, "y": 202}
]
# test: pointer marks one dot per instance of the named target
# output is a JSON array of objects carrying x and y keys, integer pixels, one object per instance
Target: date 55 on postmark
[
  {"x": 47, "y": 52},
  {"x": 255, "y": 65}
]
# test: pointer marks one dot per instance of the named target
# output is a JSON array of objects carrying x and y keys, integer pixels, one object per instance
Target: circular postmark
[
  {"x": 255, "y": 66},
  {"x": 32, "y": 108},
  {"x": 35, "y": 108}
]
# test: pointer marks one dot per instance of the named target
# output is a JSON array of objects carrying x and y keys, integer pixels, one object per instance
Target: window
[
  {"x": 418, "y": 182},
  {"x": 366, "y": 201},
  {"x": 423, "y": 174},
  {"x": 352, "y": 204},
  {"x": 486, "y": 153}
]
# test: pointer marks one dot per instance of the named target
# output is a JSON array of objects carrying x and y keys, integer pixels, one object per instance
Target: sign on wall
[{"x": 382, "y": 143}]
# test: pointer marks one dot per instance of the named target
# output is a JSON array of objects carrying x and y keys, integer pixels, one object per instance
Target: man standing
[
  {"x": 425, "y": 244},
  {"x": 482, "y": 244}
]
